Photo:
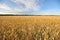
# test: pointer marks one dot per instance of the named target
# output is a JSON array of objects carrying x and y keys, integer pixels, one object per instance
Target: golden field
[{"x": 29, "y": 27}]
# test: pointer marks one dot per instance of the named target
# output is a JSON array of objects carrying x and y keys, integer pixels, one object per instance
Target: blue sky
[{"x": 36, "y": 7}]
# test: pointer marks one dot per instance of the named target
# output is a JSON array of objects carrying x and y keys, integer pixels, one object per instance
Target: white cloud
[
  {"x": 6, "y": 13},
  {"x": 29, "y": 5},
  {"x": 4, "y": 6}
]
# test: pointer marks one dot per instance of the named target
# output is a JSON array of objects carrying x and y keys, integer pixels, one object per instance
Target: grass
[{"x": 29, "y": 27}]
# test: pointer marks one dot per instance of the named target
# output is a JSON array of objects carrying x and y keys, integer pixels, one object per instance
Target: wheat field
[{"x": 29, "y": 27}]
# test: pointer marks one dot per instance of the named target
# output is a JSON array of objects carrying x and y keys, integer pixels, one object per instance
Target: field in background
[{"x": 29, "y": 27}]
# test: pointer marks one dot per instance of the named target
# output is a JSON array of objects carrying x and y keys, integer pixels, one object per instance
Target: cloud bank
[{"x": 21, "y": 5}]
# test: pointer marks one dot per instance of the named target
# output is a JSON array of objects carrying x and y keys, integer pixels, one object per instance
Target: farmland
[{"x": 29, "y": 27}]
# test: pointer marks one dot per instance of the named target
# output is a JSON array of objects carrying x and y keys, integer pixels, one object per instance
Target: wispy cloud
[
  {"x": 9, "y": 9},
  {"x": 21, "y": 5},
  {"x": 4, "y": 6},
  {"x": 28, "y": 5}
]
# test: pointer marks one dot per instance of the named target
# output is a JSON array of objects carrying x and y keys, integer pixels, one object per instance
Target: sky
[{"x": 34, "y": 7}]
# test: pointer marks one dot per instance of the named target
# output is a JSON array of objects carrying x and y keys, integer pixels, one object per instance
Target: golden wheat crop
[{"x": 29, "y": 27}]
